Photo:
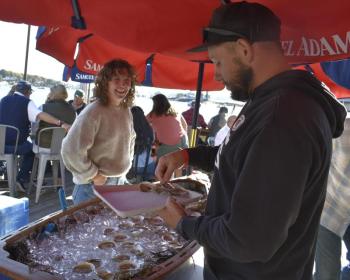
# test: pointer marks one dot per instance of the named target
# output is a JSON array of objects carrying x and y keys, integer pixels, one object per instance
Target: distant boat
[
  {"x": 188, "y": 97},
  {"x": 184, "y": 99}
]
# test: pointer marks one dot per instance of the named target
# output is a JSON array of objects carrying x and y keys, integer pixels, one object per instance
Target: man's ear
[{"x": 245, "y": 50}]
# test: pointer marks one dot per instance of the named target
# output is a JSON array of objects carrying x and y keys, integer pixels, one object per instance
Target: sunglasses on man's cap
[{"x": 213, "y": 36}]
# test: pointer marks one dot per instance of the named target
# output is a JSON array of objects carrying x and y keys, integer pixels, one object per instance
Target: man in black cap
[
  {"x": 78, "y": 101},
  {"x": 19, "y": 111},
  {"x": 270, "y": 173}
]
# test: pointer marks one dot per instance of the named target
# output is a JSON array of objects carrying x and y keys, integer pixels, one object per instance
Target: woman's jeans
[
  {"x": 328, "y": 255},
  {"x": 85, "y": 192}
]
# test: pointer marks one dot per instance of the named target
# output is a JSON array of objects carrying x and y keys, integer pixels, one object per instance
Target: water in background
[
  {"x": 143, "y": 99},
  {"x": 39, "y": 95}
]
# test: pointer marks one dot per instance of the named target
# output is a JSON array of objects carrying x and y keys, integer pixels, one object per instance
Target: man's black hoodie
[{"x": 269, "y": 183}]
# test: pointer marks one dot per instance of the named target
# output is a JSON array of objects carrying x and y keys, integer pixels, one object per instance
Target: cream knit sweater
[{"x": 101, "y": 140}]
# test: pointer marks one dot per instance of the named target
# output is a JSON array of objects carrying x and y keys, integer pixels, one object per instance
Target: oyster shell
[
  {"x": 128, "y": 244},
  {"x": 126, "y": 265},
  {"x": 119, "y": 237},
  {"x": 96, "y": 262},
  {"x": 126, "y": 225},
  {"x": 120, "y": 258},
  {"x": 137, "y": 219},
  {"x": 83, "y": 267},
  {"x": 108, "y": 231},
  {"x": 106, "y": 245},
  {"x": 156, "y": 221},
  {"x": 168, "y": 237}
]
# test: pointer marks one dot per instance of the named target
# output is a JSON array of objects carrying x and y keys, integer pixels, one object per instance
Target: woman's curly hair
[{"x": 106, "y": 74}]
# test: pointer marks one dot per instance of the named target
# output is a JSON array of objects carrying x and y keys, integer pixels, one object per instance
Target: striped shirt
[{"x": 336, "y": 211}]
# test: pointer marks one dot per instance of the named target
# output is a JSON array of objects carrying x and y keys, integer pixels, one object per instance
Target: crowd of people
[
  {"x": 162, "y": 131},
  {"x": 270, "y": 164},
  {"x": 26, "y": 113}
]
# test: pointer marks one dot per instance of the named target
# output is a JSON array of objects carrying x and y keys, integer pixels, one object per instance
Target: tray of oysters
[{"x": 95, "y": 243}]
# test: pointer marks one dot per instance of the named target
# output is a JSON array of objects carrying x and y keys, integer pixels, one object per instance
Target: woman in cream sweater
[{"x": 98, "y": 148}]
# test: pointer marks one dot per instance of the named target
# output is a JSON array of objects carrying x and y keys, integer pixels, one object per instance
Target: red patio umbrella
[
  {"x": 94, "y": 51},
  {"x": 310, "y": 32},
  {"x": 167, "y": 71}
]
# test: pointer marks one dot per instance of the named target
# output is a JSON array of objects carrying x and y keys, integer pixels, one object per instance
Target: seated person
[
  {"x": 143, "y": 142},
  {"x": 216, "y": 123},
  {"x": 57, "y": 106},
  {"x": 221, "y": 134},
  {"x": 78, "y": 101}
]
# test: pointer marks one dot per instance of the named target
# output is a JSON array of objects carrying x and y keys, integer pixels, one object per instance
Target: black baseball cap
[
  {"x": 23, "y": 86},
  {"x": 230, "y": 22}
]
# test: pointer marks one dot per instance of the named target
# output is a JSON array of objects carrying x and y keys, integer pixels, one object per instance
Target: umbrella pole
[
  {"x": 88, "y": 94},
  {"x": 193, "y": 139},
  {"x": 27, "y": 52}
]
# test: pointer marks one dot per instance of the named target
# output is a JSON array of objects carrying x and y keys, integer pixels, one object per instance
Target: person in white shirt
[{"x": 221, "y": 134}]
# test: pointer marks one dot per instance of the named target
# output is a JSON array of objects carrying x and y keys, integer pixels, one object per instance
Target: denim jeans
[
  {"x": 85, "y": 192},
  {"x": 25, "y": 150},
  {"x": 328, "y": 253}
]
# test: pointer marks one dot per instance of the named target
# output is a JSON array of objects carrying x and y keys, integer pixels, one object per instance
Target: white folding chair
[
  {"x": 11, "y": 159},
  {"x": 43, "y": 155}
]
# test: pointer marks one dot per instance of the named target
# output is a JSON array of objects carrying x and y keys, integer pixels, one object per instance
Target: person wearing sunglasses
[{"x": 270, "y": 172}]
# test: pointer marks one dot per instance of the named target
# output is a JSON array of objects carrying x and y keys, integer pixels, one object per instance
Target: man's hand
[
  {"x": 172, "y": 213},
  {"x": 99, "y": 180},
  {"x": 167, "y": 164}
]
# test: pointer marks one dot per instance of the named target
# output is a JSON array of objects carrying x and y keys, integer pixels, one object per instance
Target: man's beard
[{"x": 240, "y": 87}]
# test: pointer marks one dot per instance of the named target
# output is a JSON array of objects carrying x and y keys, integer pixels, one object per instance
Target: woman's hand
[{"x": 99, "y": 179}]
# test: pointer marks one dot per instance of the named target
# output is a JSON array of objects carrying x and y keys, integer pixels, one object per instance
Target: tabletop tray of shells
[{"x": 90, "y": 241}]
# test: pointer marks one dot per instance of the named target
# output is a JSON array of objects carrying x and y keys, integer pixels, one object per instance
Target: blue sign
[
  {"x": 77, "y": 76},
  {"x": 338, "y": 71}
]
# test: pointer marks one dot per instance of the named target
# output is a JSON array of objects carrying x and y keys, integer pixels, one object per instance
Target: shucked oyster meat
[{"x": 169, "y": 188}]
